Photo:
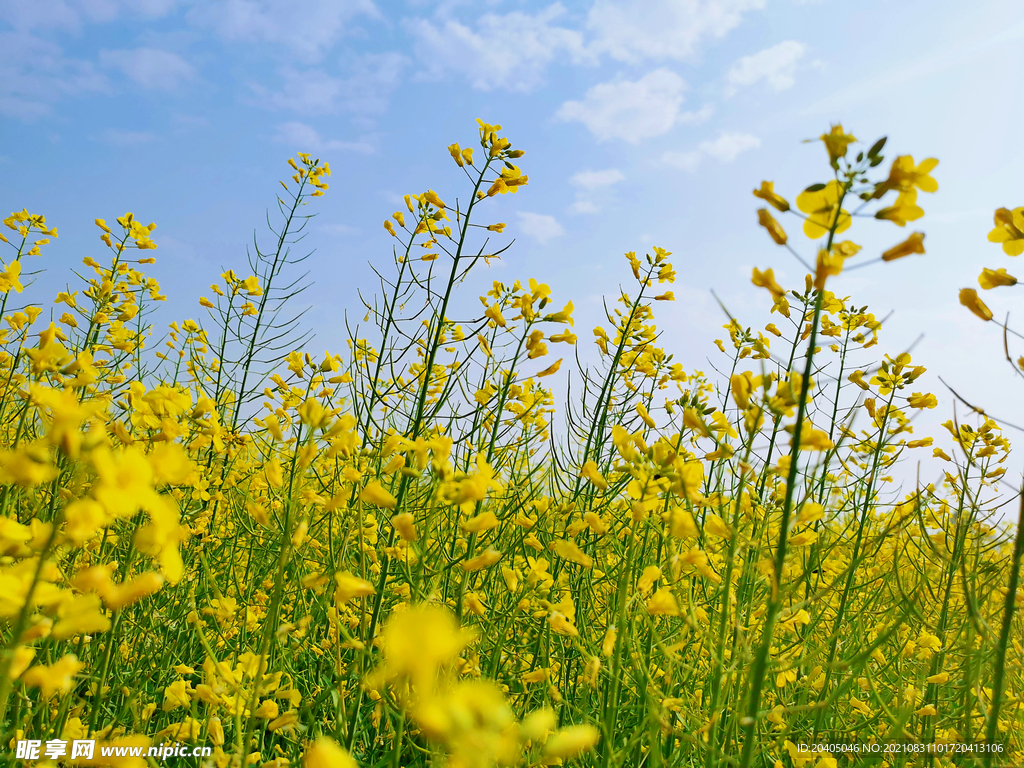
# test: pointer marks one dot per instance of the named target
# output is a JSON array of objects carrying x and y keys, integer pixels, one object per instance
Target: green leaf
[{"x": 877, "y": 147}]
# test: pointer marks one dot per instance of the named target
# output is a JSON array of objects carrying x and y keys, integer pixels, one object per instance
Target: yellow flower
[
  {"x": 484, "y": 560},
  {"x": 1009, "y": 230},
  {"x": 287, "y": 721},
  {"x": 326, "y": 753},
  {"x": 904, "y": 210},
  {"x": 803, "y": 538},
  {"x": 485, "y": 521},
  {"x": 349, "y": 587},
  {"x": 650, "y": 575},
  {"x": 990, "y": 278},
  {"x": 836, "y": 142},
  {"x": 268, "y": 710},
  {"x": 766, "y": 279},
  {"x": 821, "y": 204},
  {"x": 176, "y": 695},
  {"x": 939, "y": 679},
  {"x": 567, "y": 550},
  {"x": 494, "y": 313},
  {"x": 405, "y": 525},
  {"x": 830, "y": 264},
  {"x": 663, "y": 603},
  {"x": 82, "y": 615},
  {"x": 681, "y": 524},
  {"x": 565, "y": 316},
  {"x": 645, "y": 416},
  {"x": 569, "y": 742},
  {"x": 969, "y": 298},
  {"x": 767, "y": 193},
  {"x": 811, "y": 512},
  {"x": 857, "y": 377},
  {"x": 913, "y": 244},
  {"x": 917, "y": 400},
  {"x": 716, "y": 526},
  {"x": 904, "y": 176},
  {"x": 561, "y": 625},
  {"x": 375, "y": 494},
  {"x": 536, "y": 676},
  {"x": 418, "y": 642},
  {"x": 590, "y": 472},
  {"x": 56, "y": 678},
  {"x": 815, "y": 440},
  {"x": 10, "y": 278},
  {"x": 775, "y": 230},
  {"x": 551, "y": 369}
]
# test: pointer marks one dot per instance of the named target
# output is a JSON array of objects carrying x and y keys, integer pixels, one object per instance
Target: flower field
[{"x": 410, "y": 552}]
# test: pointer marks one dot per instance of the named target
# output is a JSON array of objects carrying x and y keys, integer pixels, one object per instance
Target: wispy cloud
[
  {"x": 589, "y": 183},
  {"x": 908, "y": 72},
  {"x": 499, "y": 51},
  {"x": 365, "y": 90},
  {"x": 726, "y": 148},
  {"x": 305, "y": 138},
  {"x": 74, "y": 14},
  {"x": 35, "y": 74},
  {"x": 633, "y": 110},
  {"x": 150, "y": 67},
  {"x": 307, "y": 31},
  {"x": 636, "y": 30},
  {"x": 595, "y": 179},
  {"x": 775, "y": 65},
  {"x": 540, "y": 226}
]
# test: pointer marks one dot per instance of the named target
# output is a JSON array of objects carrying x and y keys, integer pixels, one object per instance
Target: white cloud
[
  {"x": 584, "y": 207},
  {"x": 126, "y": 138},
  {"x": 72, "y": 14},
  {"x": 512, "y": 50},
  {"x": 150, "y": 67},
  {"x": 950, "y": 57},
  {"x": 365, "y": 91},
  {"x": 589, "y": 183},
  {"x": 726, "y": 148},
  {"x": 540, "y": 226},
  {"x": 35, "y": 73},
  {"x": 684, "y": 161},
  {"x": 634, "y": 30},
  {"x": 729, "y": 145},
  {"x": 595, "y": 179},
  {"x": 502, "y": 51},
  {"x": 775, "y": 65},
  {"x": 633, "y": 111},
  {"x": 304, "y": 138},
  {"x": 308, "y": 29}
]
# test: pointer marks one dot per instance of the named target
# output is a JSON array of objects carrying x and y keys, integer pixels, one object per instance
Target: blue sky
[{"x": 645, "y": 122}]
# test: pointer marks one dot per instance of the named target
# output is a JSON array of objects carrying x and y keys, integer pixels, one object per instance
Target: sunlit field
[{"x": 418, "y": 551}]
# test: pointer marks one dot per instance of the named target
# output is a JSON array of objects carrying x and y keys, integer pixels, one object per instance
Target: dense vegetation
[{"x": 390, "y": 556}]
